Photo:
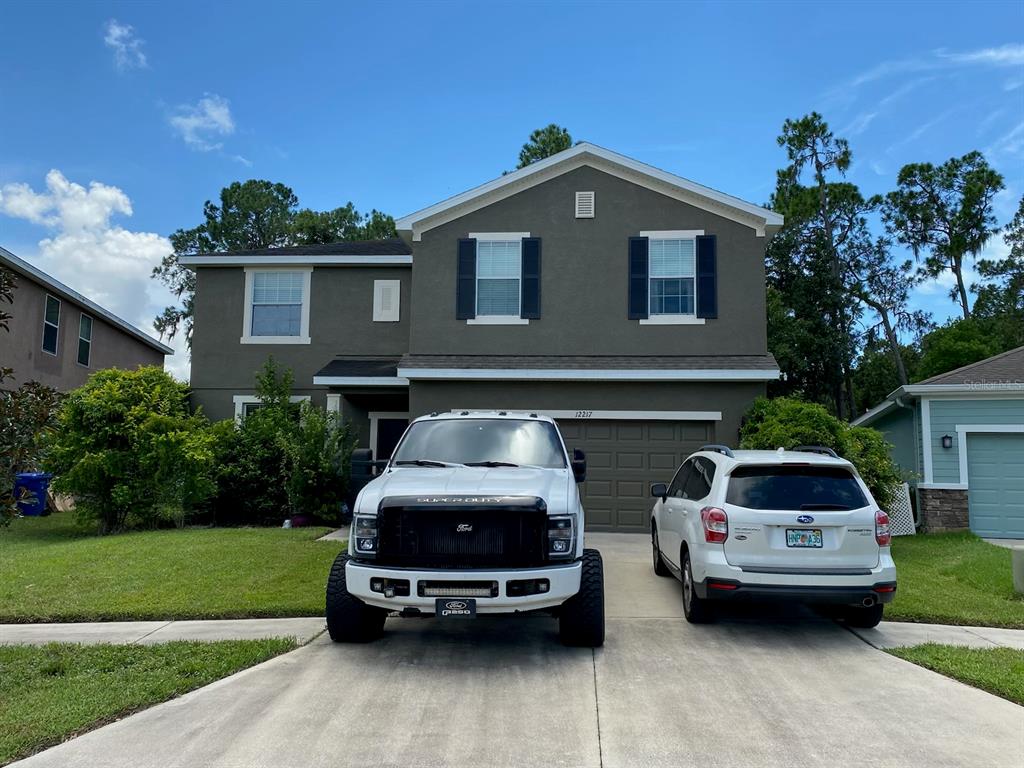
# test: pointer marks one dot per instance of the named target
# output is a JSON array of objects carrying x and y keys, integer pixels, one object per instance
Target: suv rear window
[{"x": 796, "y": 488}]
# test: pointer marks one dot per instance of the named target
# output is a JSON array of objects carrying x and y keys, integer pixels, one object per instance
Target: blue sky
[{"x": 120, "y": 119}]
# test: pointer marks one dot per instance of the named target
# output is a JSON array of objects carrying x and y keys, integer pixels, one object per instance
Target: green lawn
[
  {"x": 996, "y": 670},
  {"x": 954, "y": 578},
  {"x": 51, "y": 693},
  {"x": 52, "y": 571}
]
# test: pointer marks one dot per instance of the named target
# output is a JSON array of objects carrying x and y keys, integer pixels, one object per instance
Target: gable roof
[
  {"x": 999, "y": 369},
  {"x": 22, "y": 267},
  {"x": 762, "y": 220}
]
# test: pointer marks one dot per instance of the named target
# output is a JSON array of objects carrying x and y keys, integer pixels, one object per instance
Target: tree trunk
[
  {"x": 894, "y": 345},
  {"x": 965, "y": 304}
]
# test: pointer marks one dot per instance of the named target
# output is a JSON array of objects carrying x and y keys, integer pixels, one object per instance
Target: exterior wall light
[{"x": 947, "y": 442}]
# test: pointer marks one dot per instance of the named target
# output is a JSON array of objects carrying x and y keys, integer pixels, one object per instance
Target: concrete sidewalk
[
  {"x": 152, "y": 632},
  {"x": 893, "y": 634}
]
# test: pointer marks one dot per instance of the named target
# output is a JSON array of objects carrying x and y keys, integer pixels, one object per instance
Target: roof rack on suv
[
  {"x": 824, "y": 451},
  {"x": 725, "y": 450}
]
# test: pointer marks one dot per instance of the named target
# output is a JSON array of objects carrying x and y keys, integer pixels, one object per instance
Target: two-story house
[
  {"x": 58, "y": 337},
  {"x": 627, "y": 302}
]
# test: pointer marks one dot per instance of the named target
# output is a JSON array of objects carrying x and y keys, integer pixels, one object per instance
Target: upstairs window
[
  {"x": 51, "y": 325},
  {"x": 277, "y": 306},
  {"x": 498, "y": 277},
  {"x": 672, "y": 277},
  {"x": 84, "y": 340}
]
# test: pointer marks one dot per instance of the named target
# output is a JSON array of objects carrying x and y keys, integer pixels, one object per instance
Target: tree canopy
[{"x": 542, "y": 143}]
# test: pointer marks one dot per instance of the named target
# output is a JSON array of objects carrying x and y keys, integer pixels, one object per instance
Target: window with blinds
[
  {"x": 672, "y": 277},
  {"x": 84, "y": 340},
  {"x": 51, "y": 325},
  {"x": 277, "y": 303},
  {"x": 498, "y": 277}
]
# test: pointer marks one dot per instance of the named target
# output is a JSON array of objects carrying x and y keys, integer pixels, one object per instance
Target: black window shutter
[
  {"x": 530, "y": 308},
  {"x": 638, "y": 278},
  {"x": 465, "y": 292},
  {"x": 707, "y": 277}
]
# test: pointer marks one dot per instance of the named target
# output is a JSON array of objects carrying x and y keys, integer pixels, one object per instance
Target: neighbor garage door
[
  {"x": 623, "y": 459},
  {"x": 995, "y": 484}
]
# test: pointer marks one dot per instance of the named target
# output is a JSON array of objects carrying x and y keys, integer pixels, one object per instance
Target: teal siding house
[{"x": 960, "y": 438}]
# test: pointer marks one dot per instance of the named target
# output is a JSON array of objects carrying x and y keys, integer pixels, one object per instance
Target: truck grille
[{"x": 462, "y": 532}]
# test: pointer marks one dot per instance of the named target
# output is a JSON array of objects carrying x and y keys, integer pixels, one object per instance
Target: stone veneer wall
[{"x": 943, "y": 510}]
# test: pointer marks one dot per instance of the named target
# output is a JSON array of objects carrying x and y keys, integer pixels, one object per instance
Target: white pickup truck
[{"x": 475, "y": 513}]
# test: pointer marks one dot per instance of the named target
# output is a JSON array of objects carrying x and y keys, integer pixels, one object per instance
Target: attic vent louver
[{"x": 584, "y": 205}]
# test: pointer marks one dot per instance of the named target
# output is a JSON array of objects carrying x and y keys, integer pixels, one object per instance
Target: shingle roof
[
  {"x": 594, "y": 362},
  {"x": 391, "y": 247},
  {"x": 1006, "y": 368},
  {"x": 361, "y": 366}
]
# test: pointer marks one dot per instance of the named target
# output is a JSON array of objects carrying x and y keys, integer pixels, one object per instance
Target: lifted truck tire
[
  {"x": 863, "y": 618},
  {"x": 581, "y": 619},
  {"x": 349, "y": 619}
]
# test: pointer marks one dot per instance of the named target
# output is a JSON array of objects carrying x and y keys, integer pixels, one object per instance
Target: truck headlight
[
  {"x": 561, "y": 537},
  {"x": 364, "y": 534}
]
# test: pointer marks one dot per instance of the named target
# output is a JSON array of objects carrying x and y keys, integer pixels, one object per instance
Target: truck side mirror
[
  {"x": 659, "y": 491},
  {"x": 579, "y": 465}
]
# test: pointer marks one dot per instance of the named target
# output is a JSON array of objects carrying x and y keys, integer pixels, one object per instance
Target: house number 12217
[{"x": 584, "y": 414}]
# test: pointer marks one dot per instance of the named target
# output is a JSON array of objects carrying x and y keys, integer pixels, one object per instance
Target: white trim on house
[
  {"x": 22, "y": 267},
  {"x": 671, "y": 320},
  {"x": 978, "y": 391},
  {"x": 585, "y": 200},
  {"x": 380, "y": 290},
  {"x": 303, "y": 337},
  {"x": 585, "y": 414},
  {"x": 240, "y": 401},
  {"x": 673, "y": 234},
  {"x": 762, "y": 220},
  {"x": 963, "y": 430},
  {"x": 360, "y": 381},
  {"x": 502, "y": 236},
  {"x": 926, "y": 440},
  {"x": 376, "y": 416},
  {"x": 351, "y": 260},
  {"x": 498, "y": 319},
  {"x": 577, "y": 374},
  {"x": 943, "y": 486}
]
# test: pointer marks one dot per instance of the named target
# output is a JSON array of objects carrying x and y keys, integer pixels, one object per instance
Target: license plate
[
  {"x": 455, "y": 607},
  {"x": 803, "y": 537}
]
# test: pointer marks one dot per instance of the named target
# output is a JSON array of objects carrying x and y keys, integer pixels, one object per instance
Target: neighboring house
[
  {"x": 626, "y": 302},
  {"x": 961, "y": 435},
  {"x": 58, "y": 337}
]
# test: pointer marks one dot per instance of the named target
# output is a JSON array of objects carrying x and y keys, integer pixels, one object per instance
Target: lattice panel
[{"x": 901, "y": 513}]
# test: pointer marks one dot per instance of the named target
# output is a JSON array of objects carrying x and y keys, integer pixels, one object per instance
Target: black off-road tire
[
  {"x": 349, "y": 619},
  {"x": 659, "y": 562},
  {"x": 695, "y": 609},
  {"x": 581, "y": 619},
  {"x": 863, "y": 618}
]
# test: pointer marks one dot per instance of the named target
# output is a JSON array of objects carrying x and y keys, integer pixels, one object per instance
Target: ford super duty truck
[{"x": 475, "y": 513}]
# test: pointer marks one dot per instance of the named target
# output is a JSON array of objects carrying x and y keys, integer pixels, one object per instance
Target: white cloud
[
  {"x": 84, "y": 249},
  {"x": 125, "y": 44},
  {"x": 1010, "y": 143},
  {"x": 1010, "y": 55},
  {"x": 200, "y": 124},
  {"x": 920, "y": 131},
  {"x": 859, "y": 124},
  {"x": 243, "y": 160}
]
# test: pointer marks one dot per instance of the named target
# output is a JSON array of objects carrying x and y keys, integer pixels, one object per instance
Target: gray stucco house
[
  {"x": 58, "y": 336},
  {"x": 960, "y": 436},
  {"x": 627, "y": 302}
]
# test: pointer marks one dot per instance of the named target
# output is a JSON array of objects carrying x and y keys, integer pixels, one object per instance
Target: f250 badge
[{"x": 464, "y": 528}]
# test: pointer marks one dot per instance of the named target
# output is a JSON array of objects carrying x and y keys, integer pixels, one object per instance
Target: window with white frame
[
  {"x": 672, "y": 274},
  {"x": 245, "y": 405},
  {"x": 277, "y": 306},
  {"x": 498, "y": 277},
  {"x": 51, "y": 324},
  {"x": 84, "y": 339}
]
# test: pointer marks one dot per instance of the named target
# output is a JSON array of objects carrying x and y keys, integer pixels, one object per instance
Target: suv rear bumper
[
  {"x": 563, "y": 582},
  {"x": 732, "y": 590}
]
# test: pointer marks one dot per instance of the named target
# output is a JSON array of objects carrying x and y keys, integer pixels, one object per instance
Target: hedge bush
[{"x": 785, "y": 422}]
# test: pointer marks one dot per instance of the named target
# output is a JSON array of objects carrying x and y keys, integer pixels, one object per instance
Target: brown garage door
[{"x": 623, "y": 459}]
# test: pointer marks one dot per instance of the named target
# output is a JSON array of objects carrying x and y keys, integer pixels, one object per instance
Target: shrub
[
  {"x": 786, "y": 423},
  {"x": 127, "y": 449},
  {"x": 27, "y": 415},
  {"x": 318, "y": 454}
]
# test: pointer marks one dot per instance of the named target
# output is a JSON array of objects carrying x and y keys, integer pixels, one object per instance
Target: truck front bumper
[{"x": 562, "y": 582}]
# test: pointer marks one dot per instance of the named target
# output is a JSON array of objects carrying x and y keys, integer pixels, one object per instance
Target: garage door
[
  {"x": 623, "y": 459},
  {"x": 995, "y": 480}
]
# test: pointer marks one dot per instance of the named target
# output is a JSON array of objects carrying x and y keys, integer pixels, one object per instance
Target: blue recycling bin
[{"x": 36, "y": 483}]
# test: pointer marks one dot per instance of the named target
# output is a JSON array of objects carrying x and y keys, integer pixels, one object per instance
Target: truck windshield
[
  {"x": 794, "y": 488},
  {"x": 500, "y": 442}
]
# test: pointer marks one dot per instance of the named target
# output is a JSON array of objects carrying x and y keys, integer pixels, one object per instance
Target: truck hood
[{"x": 552, "y": 485}]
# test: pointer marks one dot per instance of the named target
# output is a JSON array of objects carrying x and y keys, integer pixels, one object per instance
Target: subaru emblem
[{"x": 805, "y": 519}]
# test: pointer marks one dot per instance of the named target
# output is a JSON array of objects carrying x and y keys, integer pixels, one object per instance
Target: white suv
[{"x": 778, "y": 525}]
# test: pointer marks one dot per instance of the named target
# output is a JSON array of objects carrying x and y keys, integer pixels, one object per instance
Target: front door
[{"x": 389, "y": 431}]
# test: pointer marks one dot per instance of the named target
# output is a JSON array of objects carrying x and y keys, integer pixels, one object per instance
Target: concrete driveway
[{"x": 755, "y": 689}]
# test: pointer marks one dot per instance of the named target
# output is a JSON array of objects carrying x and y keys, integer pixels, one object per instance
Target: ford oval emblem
[
  {"x": 455, "y": 605},
  {"x": 805, "y": 519}
]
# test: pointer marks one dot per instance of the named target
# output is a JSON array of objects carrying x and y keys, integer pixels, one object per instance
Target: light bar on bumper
[
  {"x": 561, "y": 537},
  {"x": 364, "y": 536}
]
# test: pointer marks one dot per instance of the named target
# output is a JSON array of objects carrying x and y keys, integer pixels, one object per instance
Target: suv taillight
[
  {"x": 882, "y": 534},
  {"x": 716, "y": 524}
]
